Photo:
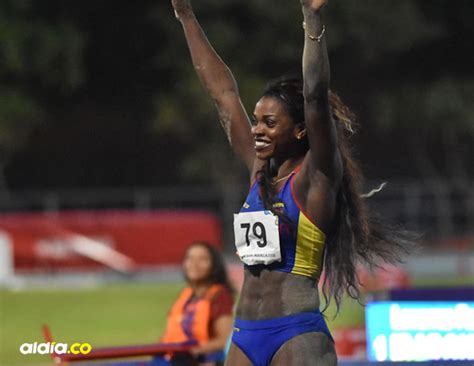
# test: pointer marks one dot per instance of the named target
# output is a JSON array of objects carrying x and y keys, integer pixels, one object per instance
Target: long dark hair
[
  {"x": 289, "y": 90},
  {"x": 218, "y": 273},
  {"x": 358, "y": 236}
]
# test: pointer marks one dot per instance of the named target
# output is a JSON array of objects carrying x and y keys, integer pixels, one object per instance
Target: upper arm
[
  {"x": 236, "y": 124},
  {"x": 321, "y": 173},
  {"x": 221, "y": 316},
  {"x": 324, "y": 154}
]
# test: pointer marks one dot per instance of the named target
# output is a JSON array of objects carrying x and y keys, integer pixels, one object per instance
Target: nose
[{"x": 257, "y": 129}]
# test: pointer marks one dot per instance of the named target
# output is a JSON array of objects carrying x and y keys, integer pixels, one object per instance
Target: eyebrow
[{"x": 265, "y": 115}]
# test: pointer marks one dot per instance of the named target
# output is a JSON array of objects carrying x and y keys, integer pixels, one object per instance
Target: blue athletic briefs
[{"x": 260, "y": 339}]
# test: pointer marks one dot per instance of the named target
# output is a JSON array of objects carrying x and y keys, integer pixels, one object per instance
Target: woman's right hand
[{"x": 182, "y": 8}]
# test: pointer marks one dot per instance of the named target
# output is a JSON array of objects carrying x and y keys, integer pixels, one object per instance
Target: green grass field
[
  {"x": 103, "y": 316},
  {"x": 107, "y": 316}
]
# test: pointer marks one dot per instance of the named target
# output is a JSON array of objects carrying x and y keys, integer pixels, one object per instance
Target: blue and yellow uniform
[
  {"x": 302, "y": 253},
  {"x": 301, "y": 241}
]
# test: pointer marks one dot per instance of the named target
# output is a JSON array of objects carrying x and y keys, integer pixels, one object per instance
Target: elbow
[
  {"x": 221, "y": 95},
  {"x": 316, "y": 82},
  {"x": 315, "y": 93},
  {"x": 223, "y": 91}
]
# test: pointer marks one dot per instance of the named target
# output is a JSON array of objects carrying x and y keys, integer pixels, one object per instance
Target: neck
[
  {"x": 200, "y": 288},
  {"x": 288, "y": 165}
]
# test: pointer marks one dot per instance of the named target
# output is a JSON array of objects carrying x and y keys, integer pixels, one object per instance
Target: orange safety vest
[{"x": 200, "y": 317}]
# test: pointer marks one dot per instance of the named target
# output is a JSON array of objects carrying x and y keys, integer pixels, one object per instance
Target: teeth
[{"x": 261, "y": 144}]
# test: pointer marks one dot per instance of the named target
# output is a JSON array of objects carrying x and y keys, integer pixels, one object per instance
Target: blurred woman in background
[{"x": 202, "y": 314}]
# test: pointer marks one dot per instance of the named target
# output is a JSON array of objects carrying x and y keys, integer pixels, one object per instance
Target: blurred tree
[
  {"x": 36, "y": 53},
  {"x": 394, "y": 62},
  {"x": 19, "y": 114},
  {"x": 113, "y": 84}
]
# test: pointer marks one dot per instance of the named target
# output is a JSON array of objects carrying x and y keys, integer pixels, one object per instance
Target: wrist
[
  {"x": 184, "y": 15},
  {"x": 313, "y": 18},
  {"x": 310, "y": 12},
  {"x": 313, "y": 5}
]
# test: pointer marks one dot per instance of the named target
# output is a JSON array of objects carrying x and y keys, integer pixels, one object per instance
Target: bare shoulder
[{"x": 316, "y": 194}]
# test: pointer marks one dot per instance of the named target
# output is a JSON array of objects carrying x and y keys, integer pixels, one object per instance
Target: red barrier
[
  {"x": 118, "y": 351},
  {"x": 386, "y": 277},
  {"x": 350, "y": 342},
  {"x": 90, "y": 239},
  {"x": 126, "y": 352}
]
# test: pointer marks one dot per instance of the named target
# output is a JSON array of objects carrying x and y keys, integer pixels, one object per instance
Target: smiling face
[
  {"x": 274, "y": 132},
  {"x": 197, "y": 264}
]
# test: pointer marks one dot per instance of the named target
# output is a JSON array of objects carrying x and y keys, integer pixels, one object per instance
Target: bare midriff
[{"x": 270, "y": 294}]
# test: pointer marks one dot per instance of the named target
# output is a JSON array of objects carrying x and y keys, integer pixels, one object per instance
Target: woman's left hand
[{"x": 313, "y": 4}]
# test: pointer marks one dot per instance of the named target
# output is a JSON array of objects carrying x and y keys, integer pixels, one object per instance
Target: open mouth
[{"x": 261, "y": 144}]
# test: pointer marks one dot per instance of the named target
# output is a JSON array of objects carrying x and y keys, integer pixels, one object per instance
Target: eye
[
  {"x": 253, "y": 120},
  {"x": 270, "y": 122}
]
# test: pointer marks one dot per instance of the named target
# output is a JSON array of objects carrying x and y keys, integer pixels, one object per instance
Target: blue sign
[{"x": 420, "y": 330}]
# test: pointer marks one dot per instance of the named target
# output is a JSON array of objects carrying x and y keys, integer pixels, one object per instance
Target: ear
[{"x": 300, "y": 131}]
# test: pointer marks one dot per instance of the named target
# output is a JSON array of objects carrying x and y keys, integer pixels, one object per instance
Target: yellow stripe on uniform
[{"x": 309, "y": 249}]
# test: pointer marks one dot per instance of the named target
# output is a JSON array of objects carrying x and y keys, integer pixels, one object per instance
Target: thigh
[
  {"x": 236, "y": 357},
  {"x": 307, "y": 349}
]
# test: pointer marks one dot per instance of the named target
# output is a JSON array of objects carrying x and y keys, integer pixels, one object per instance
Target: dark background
[{"x": 103, "y": 94}]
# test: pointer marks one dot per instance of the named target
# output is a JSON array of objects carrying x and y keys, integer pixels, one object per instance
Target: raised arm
[
  {"x": 324, "y": 154},
  {"x": 218, "y": 80}
]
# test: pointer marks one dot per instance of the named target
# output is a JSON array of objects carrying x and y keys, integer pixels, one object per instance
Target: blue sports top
[{"x": 301, "y": 241}]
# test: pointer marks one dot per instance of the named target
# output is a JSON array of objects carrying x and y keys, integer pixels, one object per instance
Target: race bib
[{"x": 256, "y": 237}]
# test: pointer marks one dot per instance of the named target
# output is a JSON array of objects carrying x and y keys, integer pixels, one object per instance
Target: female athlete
[{"x": 304, "y": 212}]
